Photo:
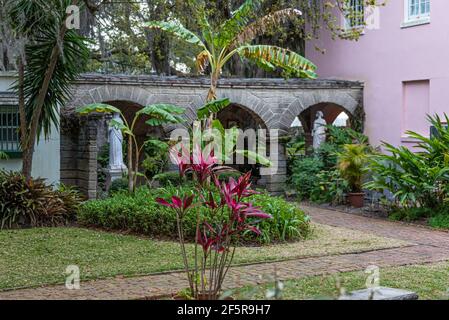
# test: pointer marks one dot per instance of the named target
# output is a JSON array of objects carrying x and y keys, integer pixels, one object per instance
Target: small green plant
[
  {"x": 351, "y": 165},
  {"x": 119, "y": 185}
]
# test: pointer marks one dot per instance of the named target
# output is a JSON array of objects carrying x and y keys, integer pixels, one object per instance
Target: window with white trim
[
  {"x": 417, "y": 10},
  {"x": 355, "y": 14}
]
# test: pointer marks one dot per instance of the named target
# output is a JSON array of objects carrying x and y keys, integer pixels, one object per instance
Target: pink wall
[{"x": 395, "y": 64}]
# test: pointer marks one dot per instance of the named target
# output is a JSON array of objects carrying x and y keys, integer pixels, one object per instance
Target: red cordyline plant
[{"x": 231, "y": 217}]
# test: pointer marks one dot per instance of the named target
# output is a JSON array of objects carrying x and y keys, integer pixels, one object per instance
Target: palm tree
[
  {"x": 48, "y": 63},
  {"x": 233, "y": 37}
]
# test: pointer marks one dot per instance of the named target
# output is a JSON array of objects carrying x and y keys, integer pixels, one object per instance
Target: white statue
[
  {"x": 116, "y": 147},
  {"x": 319, "y": 130}
]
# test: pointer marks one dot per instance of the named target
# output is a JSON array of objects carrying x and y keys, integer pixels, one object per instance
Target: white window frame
[
  {"x": 416, "y": 19},
  {"x": 347, "y": 21}
]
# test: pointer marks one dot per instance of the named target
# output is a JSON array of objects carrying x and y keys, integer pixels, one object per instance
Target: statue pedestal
[{"x": 114, "y": 174}]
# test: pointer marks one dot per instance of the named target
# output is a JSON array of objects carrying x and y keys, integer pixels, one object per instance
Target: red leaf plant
[{"x": 215, "y": 242}]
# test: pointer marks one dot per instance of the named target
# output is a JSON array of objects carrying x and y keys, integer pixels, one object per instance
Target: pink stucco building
[{"x": 402, "y": 57}]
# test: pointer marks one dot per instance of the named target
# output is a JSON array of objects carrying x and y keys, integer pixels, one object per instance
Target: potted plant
[
  {"x": 351, "y": 165},
  {"x": 230, "y": 215}
]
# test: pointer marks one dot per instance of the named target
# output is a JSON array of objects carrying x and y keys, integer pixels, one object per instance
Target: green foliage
[
  {"x": 440, "y": 221},
  {"x": 288, "y": 221},
  {"x": 329, "y": 187},
  {"x": 410, "y": 214},
  {"x": 304, "y": 175},
  {"x": 351, "y": 165},
  {"x": 140, "y": 213},
  {"x": 171, "y": 178},
  {"x": 119, "y": 185},
  {"x": 270, "y": 58},
  {"x": 416, "y": 179},
  {"x": 33, "y": 203},
  {"x": 156, "y": 157},
  {"x": 74, "y": 54},
  {"x": 316, "y": 178},
  {"x": 212, "y": 107}
]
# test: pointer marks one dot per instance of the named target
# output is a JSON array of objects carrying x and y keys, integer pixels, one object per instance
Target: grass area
[
  {"x": 431, "y": 282},
  {"x": 33, "y": 257}
]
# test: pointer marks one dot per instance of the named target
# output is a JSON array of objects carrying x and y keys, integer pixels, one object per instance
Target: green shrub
[
  {"x": 416, "y": 179},
  {"x": 33, "y": 203},
  {"x": 330, "y": 187},
  {"x": 440, "y": 221},
  {"x": 315, "y": 177},
  {"x": 410, "y": 214},
  {"x": 140, "y": 213},
  {"x": 119, "y": 185},
  {"x": 170, "y": 178},
  {"x": 304, "y": 176},
  {"x": 288, "y": 221}
]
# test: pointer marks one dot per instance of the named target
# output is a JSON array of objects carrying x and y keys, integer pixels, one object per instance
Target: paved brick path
[{"x": 427, "y": 246}]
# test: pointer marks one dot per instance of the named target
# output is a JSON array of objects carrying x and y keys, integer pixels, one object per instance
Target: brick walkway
[{"x": 427, "y": 246}]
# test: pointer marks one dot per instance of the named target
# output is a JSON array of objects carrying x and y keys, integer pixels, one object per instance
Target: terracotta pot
[{"x": 356, "y": 200}]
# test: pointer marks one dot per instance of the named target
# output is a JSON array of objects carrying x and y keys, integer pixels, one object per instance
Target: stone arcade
[{"x": 267, "y": 103}]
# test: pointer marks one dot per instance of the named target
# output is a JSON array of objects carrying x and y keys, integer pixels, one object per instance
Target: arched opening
[
  {"x": 333, "y": 114},
  {"x": 236, "y": 115}
]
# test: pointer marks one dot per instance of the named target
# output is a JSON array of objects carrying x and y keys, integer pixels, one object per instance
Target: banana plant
[
  {"x": 217, "y": 45},
  {"x": 228, "y": 138},
  {"x": 159, "y": 114}
]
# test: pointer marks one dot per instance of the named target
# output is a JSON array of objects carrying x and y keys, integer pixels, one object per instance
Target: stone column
[{"x": 276, "y": 177}]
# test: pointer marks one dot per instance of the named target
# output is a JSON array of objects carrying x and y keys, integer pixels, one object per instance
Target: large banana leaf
[
  {"x": 293, "y": 64},
  {"x": 176, "y": 29},
  {"x": 162, "y": 114},
  {"x": 239, "y": 20},
  {"x": 120, "y": 126},
  {"x": 97, "y": 107},
  {"x": 212, "y": 107}
]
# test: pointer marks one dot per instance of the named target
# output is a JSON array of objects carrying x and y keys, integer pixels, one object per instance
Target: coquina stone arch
[{"x": 277, "y": 102}]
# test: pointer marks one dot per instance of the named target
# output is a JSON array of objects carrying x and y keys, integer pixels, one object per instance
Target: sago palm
[{"x": 233, "y": 37}]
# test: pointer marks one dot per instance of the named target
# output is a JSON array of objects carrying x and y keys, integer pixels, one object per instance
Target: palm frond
[
  {"x": 74, "y": 53},
  {"x": 292, "y": 64}
]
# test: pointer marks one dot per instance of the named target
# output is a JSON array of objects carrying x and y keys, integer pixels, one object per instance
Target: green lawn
[
  {"x": 429, "y": 281},
  {"x": 33, "y": 257}
]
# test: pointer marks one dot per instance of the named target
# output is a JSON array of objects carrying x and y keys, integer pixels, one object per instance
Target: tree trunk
[{"x": 130, "y": 165}]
